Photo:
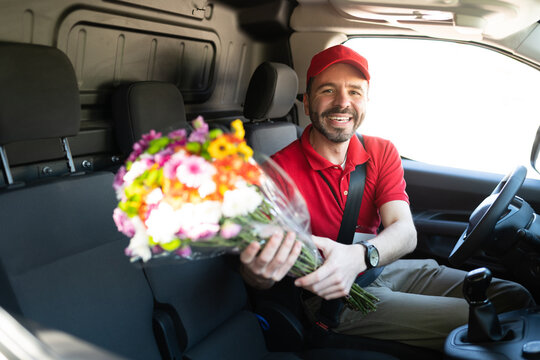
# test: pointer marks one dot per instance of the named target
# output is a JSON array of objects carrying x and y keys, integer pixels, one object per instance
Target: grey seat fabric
[
  {"x": 143, "y": 106},
  {"x": 62, "y": 262},
  {"x": 270, "y": 95}
]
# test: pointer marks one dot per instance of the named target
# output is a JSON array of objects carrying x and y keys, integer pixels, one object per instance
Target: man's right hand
[{"x": 261, "y": 269}]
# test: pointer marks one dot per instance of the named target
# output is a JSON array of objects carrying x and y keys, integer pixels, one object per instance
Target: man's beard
[{"x": 333, "y": 134}]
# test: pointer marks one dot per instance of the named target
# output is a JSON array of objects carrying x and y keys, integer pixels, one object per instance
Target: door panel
[{"x": 442, "y": 199}]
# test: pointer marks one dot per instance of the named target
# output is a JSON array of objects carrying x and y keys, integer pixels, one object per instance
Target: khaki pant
[{"x": 421, "y": 303}]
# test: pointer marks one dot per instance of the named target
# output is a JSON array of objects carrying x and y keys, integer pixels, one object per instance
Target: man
[{"x": 420, "y": 301}]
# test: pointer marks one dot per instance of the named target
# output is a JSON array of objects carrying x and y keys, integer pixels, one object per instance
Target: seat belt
[{"x": 330, "y": 310}]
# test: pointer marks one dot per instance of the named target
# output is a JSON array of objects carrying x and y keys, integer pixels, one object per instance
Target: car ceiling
[{"x": 511, "y": 25}]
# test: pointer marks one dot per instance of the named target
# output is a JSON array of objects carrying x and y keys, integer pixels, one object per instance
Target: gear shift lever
[{"x": 483, "y": 321}]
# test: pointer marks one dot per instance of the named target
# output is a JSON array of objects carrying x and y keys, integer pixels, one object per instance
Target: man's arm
[
  {"x": 261, "y": 269},
  {"x": 344, "y": 262},
  {"x": 399, "y": 235}
]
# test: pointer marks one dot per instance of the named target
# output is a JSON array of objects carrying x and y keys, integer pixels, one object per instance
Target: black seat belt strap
[{"x": 331, "y": 309}]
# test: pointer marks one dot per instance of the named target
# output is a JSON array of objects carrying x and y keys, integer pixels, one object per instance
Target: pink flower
[
  {"x": 196, "y": 232},
  {"x": 123, "y": 223},
  {"x": 169, "y": 168},
  {"x": 140, "y": 146},
  {"x": 230, "y": 230},
  {"x": 119, "y": 178},
  {"x": 163, "y": 157},
  {"x": 194, "y": 171},
  {"x": 178, "y": 135},
  {"x": 184, "y": 252}
]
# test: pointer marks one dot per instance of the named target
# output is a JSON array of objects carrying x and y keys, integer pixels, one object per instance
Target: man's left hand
[{"x": 341, "y": 266}]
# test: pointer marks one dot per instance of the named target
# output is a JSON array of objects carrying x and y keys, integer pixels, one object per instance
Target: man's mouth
[{"x": 339, "y": 118}]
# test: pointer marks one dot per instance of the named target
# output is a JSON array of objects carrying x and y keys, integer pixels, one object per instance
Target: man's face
[{"x": 336, "y": 102}]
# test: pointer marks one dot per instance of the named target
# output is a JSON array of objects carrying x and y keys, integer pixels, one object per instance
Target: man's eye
[{"x": 328, "y": 91}]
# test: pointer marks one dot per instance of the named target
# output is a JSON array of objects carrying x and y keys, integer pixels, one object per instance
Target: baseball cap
[{"x": 337, "y": 54}]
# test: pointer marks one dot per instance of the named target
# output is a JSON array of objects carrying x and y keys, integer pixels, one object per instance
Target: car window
[{"x": 451, "y": 104}]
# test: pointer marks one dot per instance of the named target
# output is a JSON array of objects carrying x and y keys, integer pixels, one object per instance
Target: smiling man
[{"x": 420, "y": 301}]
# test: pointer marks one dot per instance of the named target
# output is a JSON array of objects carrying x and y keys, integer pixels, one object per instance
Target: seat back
[
  {"x": 270, "y": 95},
  {"x": 143, "y": 106},
  {"x": 62, "y": 262}
]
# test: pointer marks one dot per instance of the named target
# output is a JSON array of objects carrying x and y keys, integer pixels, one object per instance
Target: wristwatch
[{"x": 372, "y": 254}]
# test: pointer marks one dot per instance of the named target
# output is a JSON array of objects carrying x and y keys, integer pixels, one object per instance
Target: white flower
[
  {"x": 138, "y": 245},
  {"x": 163, "y": 223},
  {"x": 207, "y": 187},
  {"x": 154, "y": 196},
  {"x": 136, "y": 170},
  {"x": 241, "y": 201}
]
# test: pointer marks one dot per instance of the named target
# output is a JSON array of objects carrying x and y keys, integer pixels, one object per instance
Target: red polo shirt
[{"x": 384, "y": 181}]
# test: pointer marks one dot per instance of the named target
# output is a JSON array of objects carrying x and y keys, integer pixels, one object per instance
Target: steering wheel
[{"x": 486, "y": 215}]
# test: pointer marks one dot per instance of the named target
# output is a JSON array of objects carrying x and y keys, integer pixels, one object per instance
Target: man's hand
[
  {"x": 261, "y": 269},
  {"x": 341, "y": 266}
]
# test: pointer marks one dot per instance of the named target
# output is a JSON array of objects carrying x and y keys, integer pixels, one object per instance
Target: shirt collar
[{"x": 356, "y": 153}]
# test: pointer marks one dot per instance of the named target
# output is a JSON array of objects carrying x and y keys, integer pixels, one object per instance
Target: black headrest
[
  {"x": 39, "y": 96},
  {"x": 143, "y": 106},
  {"x": 271, "y": 91}
]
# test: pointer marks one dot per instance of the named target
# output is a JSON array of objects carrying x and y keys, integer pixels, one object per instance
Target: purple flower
[
  {"x": 119, "y": 178},
  {"x": 123, "y": 223},
  {"x": 140, "y": 146},
  {"x": 179, "y": 134},
  {"x": 183, "y": 251},
  {"x": 162, "y": 157},
  {"x": 201, "y": 130}
]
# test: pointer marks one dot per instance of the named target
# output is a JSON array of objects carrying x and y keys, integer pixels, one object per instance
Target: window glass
[{"x": 451, "y": 104}]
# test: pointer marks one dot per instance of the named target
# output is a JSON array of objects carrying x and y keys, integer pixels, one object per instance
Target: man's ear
[{"x": 305, "y": 100}]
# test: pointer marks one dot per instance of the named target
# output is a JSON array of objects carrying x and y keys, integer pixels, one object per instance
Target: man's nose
[{"x": 342, "y": 99}]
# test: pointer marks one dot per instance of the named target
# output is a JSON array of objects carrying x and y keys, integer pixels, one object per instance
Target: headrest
[
  {"x": 143, "y": 106},
  {"x": 271, "y": 91},
  {"x": 39, "y": 96}
]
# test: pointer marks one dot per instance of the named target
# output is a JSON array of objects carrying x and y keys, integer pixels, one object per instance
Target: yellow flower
[
  {"x": 238, "y": 128},
  {"x": 221, "y": 148},
  {"x": 245, "y": 150}
]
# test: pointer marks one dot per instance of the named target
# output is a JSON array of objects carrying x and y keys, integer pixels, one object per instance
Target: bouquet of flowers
[{"x": 191, "y": 197}]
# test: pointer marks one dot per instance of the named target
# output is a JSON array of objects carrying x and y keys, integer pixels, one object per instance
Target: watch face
[{"x": 373, "y": 256}]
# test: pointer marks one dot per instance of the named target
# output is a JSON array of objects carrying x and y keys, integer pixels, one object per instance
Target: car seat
[
  {"x": 205, "y": 303},
  {"x": 270, "y": 95},
  {"x": 135, "y": 103},
  {"x": 61, "y": 258}
]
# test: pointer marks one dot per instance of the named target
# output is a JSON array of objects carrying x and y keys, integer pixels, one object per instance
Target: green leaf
[
  {"x": 193, "y": 147},
  {"x": 157, "y": 145},
  {"x": 214, "y": 133},
  {"x": 172, "y": 245}
]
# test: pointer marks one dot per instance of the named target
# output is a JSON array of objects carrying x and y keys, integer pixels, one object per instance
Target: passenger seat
[
  {"x": 205, "y": 304},
  {"x": 270, "y": 95},
  {"x": 143, "y": 106}
]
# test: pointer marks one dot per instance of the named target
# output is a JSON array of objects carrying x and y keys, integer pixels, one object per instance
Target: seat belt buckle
[{"x": 321, "y": 325}]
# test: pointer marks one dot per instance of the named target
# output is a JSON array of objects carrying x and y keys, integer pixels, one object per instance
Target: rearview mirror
[{"x": 536, "y": 151}]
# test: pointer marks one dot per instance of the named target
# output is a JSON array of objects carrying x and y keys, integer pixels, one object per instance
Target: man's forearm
[{"x": 395, "y": 241}]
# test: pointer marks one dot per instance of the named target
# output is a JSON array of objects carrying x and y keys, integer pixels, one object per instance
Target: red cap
[{"x": 337, "y": 54}]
